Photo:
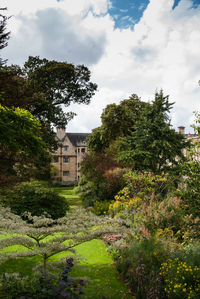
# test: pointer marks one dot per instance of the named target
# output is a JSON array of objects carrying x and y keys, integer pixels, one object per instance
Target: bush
[
  {"x": 181, "y": 280},
  {"x": 166, "y": 215},
  {"x": 148, "y": 185},
  {"x": 101, "y": 207},
  {"x": 49, "y": 286},
  {"x": 139, "y": 265},
  {"x": 36, "y": 198},
  {"x": 124, "y": 201}
]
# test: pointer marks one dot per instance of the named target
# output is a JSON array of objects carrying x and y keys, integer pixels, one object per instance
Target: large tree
[
  {"x": 118, "y": 120},
  {"x": 44, "y": 87},
  {"x": 23, "y": 154},
  {"x": 153, "y": 145}
]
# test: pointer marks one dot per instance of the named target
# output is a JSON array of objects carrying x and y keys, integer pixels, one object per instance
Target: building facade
[{"x": 66, "y": 160}]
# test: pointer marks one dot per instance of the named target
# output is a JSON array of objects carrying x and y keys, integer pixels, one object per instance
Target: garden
[
  {"x": 129, "y": 228},
  {"x": 88, "y": 271}
]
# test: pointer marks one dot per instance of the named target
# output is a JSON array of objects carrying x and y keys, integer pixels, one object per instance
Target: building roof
[{"x": 76, "y": 138}]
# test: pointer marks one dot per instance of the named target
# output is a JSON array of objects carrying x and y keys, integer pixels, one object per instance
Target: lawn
[{"x": 95, "y": 264}]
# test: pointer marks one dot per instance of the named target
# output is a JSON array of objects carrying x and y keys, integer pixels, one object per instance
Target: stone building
[
  {"x": 195, "y": 140},
  {"x": 67, "y": 158}
]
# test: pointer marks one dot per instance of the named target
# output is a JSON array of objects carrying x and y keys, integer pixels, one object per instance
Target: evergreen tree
[{"x": 154, "y": 145}]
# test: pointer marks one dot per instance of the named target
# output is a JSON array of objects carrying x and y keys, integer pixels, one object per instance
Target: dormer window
[{"x": 66, "y": 147}]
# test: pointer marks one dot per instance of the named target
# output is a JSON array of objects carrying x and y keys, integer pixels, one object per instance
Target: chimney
[
  {"x": 181, "y": 130},
  {"x": 60, "y": 133}
]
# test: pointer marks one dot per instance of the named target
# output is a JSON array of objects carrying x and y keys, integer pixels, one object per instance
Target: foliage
[
  {"x": 44, "y": 286},
  {"x": 45, "y": 237},
  {"x": 123, "y": 201},
  {"x": 181, "y": 280},
  {"x": 164, "y": 218},
  {"x": 148, "y": 185},
  {"x": 153, "y": 146},
  {"x": 117, "y": 121},
  {"x": 14, "y": 285},
  {"x": 139, "y": 265},
  {"x": 37, "y": 199},
  {"x": 190, "y": 190},
  {"x": 102, "y": 178},
  {"x": 4, "y": 36},
  {"x": 101, "y": 207},
  {"x": 22, "y": 151},
  {"x": 43, "y": 86}
]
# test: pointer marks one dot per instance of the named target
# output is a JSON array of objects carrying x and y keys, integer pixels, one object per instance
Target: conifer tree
[{"x": 154, "y": 145}]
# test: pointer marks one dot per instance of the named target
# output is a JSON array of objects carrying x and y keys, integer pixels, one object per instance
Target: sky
[{"x": 130, "y": 46}]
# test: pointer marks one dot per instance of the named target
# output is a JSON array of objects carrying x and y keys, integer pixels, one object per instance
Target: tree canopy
[
  {"x": 22, "y": 151},
  {"x": 153, "y": 145},
  {"x": 117, "y": 121},
  {"x": 43, "y": 87}
]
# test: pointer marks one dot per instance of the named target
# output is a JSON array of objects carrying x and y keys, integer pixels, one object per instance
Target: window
[
  {"x": 66, "y": 159},
  {"x": 78, "y": 165},
  {"x": 83, "y": 150},
  {"x": 65, "y": 173},
  {"x": 66, "y": 147},
  {"x": 55, "y": 159},
  {"x": 78, "y": 150}
]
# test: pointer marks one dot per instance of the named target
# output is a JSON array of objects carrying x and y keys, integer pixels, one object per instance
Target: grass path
[{"x": 104, "y": 281}]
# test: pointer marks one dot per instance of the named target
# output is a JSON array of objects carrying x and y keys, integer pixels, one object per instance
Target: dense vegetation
[{"x": 157, "y": 202}]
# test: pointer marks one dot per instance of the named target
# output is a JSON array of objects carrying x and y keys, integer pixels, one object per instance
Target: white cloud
[{"x": 162, "y": 51}]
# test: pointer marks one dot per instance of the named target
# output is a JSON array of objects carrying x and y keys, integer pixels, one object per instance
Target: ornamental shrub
[
  {"x": 101, "y": 207},
  {"x": 156, "y": 216},
  {"x": 124, "y": 201},
  {"x": 181, "y": 280},
  {"x": 148, "y": 185},
  {"x": 37, "y": 199}
]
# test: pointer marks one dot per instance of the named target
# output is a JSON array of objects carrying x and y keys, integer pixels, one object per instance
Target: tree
[
  {"x": 22, "y": 151},
  {"x": 4, "y": 36},
  {"x": 103, "y": 173},
  {"x": 117, "y": 121},
  {"x": 154, "y": 145},
  {"x": 46, "y": 237},
  {"x": 43, "y": 87}
]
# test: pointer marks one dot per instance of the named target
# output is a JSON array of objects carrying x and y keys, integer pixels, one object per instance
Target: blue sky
[{"x": 127, "y": 13}]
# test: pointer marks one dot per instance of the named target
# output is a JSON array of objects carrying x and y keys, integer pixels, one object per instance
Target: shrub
[
  {"x": 165, "y": 217},
  {"x": 123, "y": 201},
  {"x": 46, "y": 286},
  {"x": 148, "y": 185},
  {"x": 139, "y": 265},
  {"x": 181, "y": 280},
  {"x": 102, "y": 178},
  {"x": 36, "y": 198},
  {"x": 101, "y": 207}
]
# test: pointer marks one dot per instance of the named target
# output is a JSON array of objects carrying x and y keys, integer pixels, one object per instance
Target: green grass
[
  {"x": 72, "y": 198},
  {"x": 96, "y": 265}
]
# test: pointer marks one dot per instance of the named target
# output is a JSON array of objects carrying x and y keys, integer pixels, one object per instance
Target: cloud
[
  {"x": 54, "y": 34},
  {"x": 160, "y": 51}
]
